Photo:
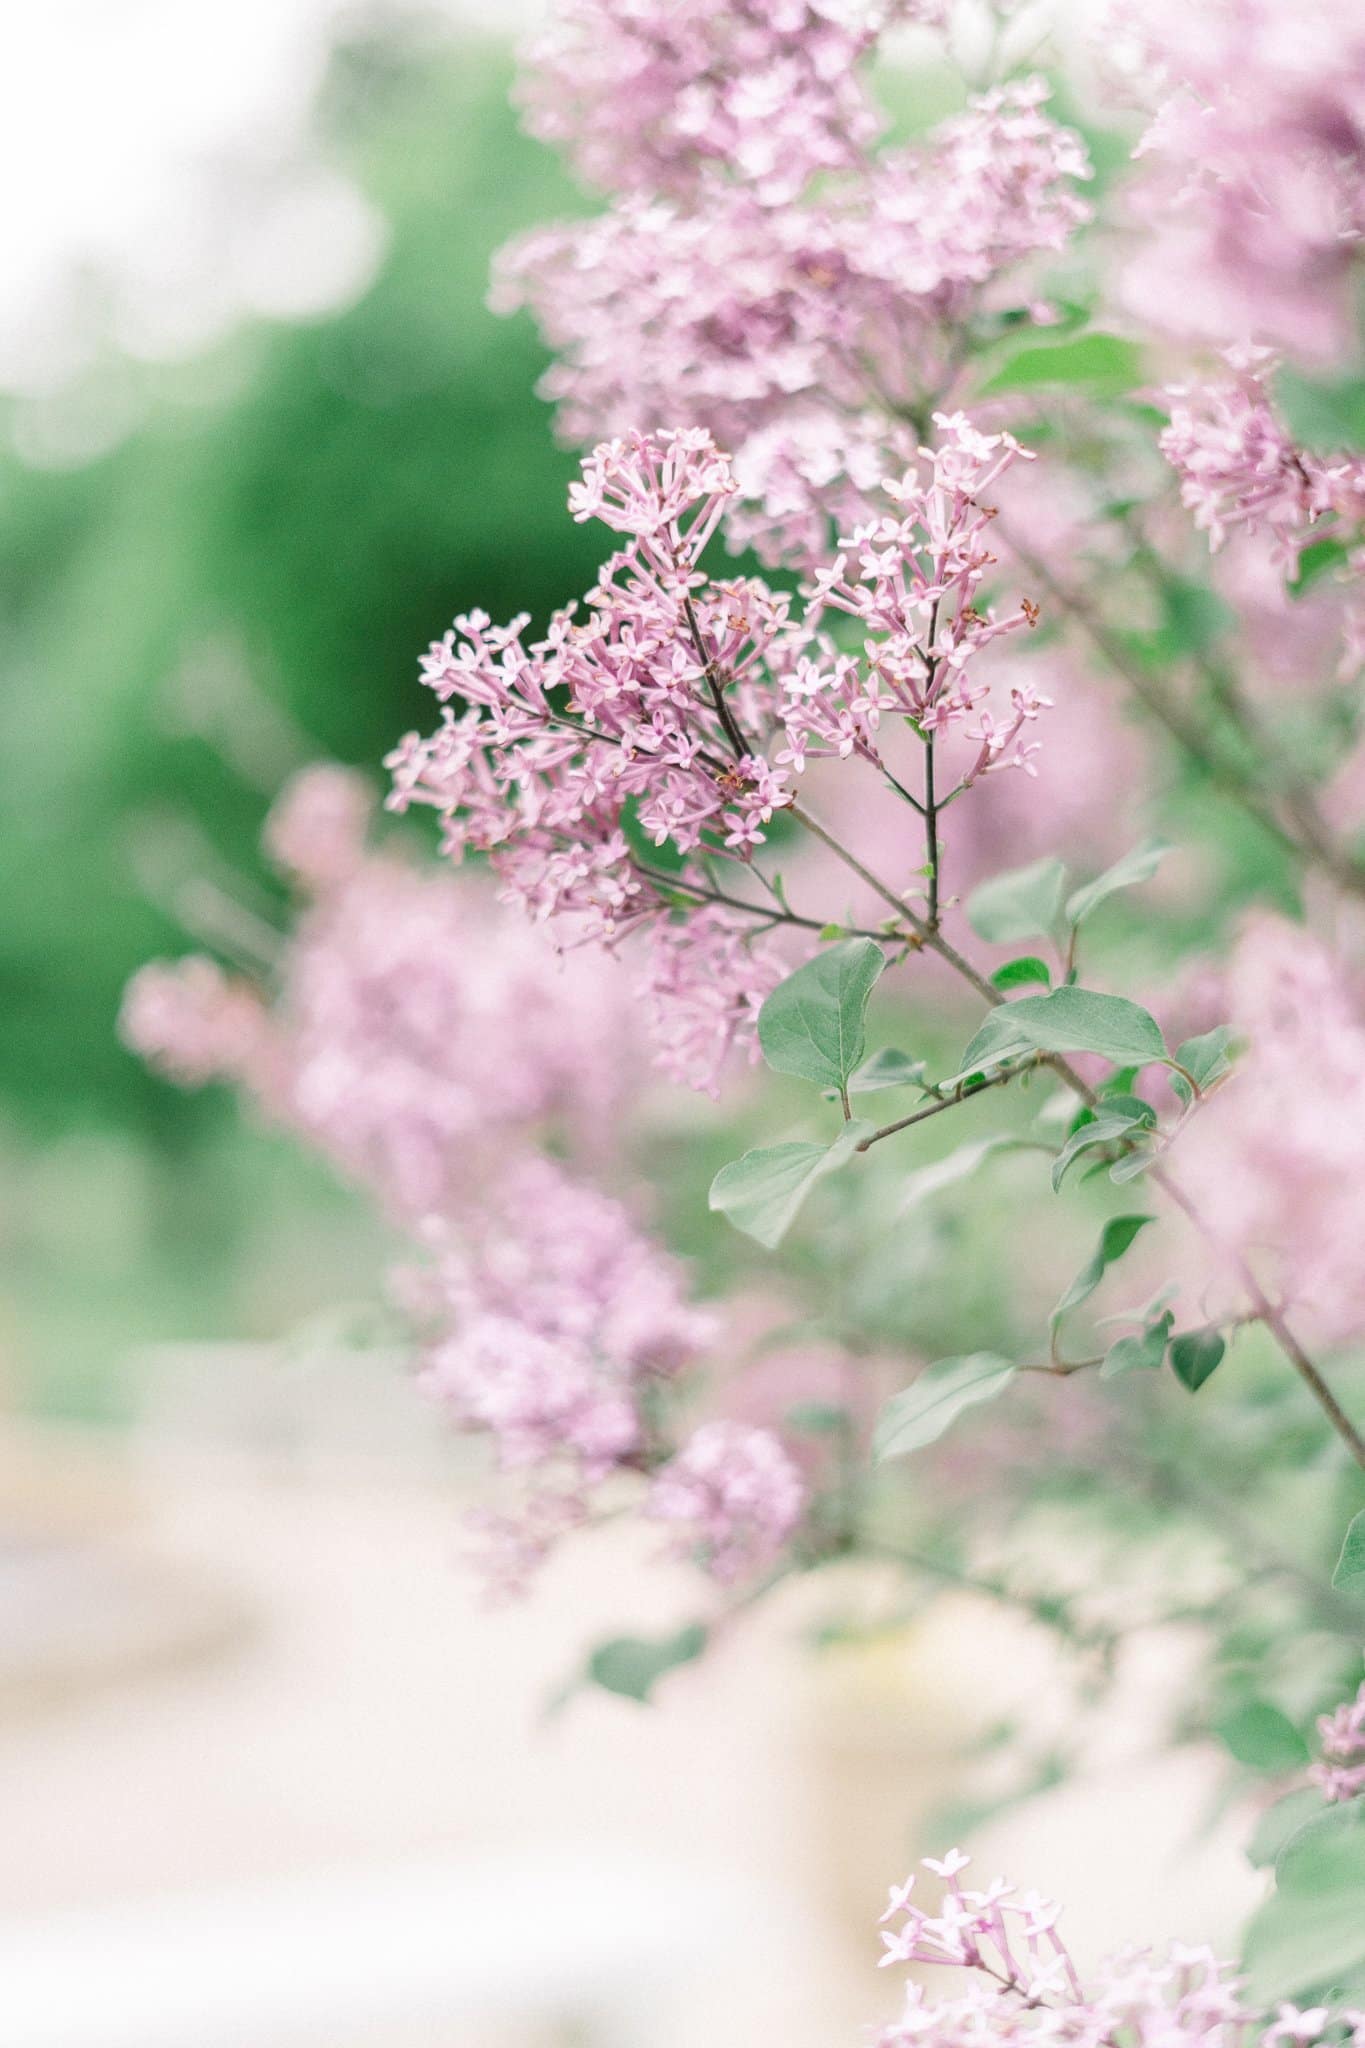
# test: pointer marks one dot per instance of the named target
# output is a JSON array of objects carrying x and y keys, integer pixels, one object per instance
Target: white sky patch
[{"x": 158, "y": 179}]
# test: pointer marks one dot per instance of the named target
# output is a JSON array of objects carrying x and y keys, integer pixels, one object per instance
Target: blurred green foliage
[
  {"x": 246, "y": 580},
  {"x": 242, "y": 584}
]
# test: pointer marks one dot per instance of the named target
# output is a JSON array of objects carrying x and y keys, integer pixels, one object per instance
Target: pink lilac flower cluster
[
  {"x": 556, "y": 1328},
  {"x": 1273, "y": 1158},
  {"x": 734, "y": 1493},
  {"x": 679, "y": 709},
  {"x": 409, "y": 1028},
  {"x": 413, "y": 1036},
  {"x": 624, "y": 705},
  {"x": 552, "y": 1314},
  {"x": 1340, "y": 1772},
  {"x": 1239, "y": 468},
  {"x": 1025, "y": 1987},
  {"x": 919, "y": 572},
  {"x": 704, "y": 983},
  {"x": 194, "y": 1021},
  {"x": 646, "y": 96},
  {"x": 1253, "y": 191},
  {"x": 804, "y": 337}
]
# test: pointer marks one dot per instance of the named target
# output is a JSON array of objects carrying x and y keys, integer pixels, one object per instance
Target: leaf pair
[
  {"x": 1032, "y": 902},
  {"x": 813, "y": 1025},
  {"x": 1067, "y": 1020}
]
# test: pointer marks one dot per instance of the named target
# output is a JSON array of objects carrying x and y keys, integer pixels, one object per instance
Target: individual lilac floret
[{"x": 736, "y": 1494}]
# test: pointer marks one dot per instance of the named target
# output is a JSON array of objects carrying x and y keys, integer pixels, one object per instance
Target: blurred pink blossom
[
  {"x": 1272, "y": 1159},
  {"x": 733, "y": 1491}
]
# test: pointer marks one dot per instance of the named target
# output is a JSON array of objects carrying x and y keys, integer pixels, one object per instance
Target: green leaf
[
  {"x": 1135, "y": 867},
  {"x": 1322, "y": 413},
  {"x": 1022, "y": 973},
  {"x": 632, "y": 1665},
  {"x": 1328, "y": 1850},
  {"x": 1102, "y": 363},
  {"x": 1195, "y": 1354},
  {"x": 1117, "y": 1102},
  {"x": 1104, "y": 1129},
  {"x": 1311, "y": 1934},
  {"x": 1068, "y": 1020},
  {"x": 1138, "y": 1353},
  {"x": 1349, "y": 1576},
  {"x": 1204, "y": 1058},
  {"x": 812, "y": 1024},
  {"x": 762, "y": 1193},
  {"x": 1280, "y": 1822},
  {"x": 1263, "y": 1738},
  {"x": 946, "y": 1173},
  {"x": 1115, "y": 1238},
  {"x": 921, "y": 1414},
  {"x": 886, "y": 1069},
  {"x": 1023, "y": 904},
  {"x": 1317, "y": 560},
  {"x": 1296, "y": 1945}
]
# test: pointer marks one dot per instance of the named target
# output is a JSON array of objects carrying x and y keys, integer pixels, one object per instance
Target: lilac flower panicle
[
  {"x": 1272, "y": 1159},
  {"x": 698, "y": 702},
  {"x": 318, "y": 826},
  {"x": 733, "y": 1491},
  {"x": 1251, "y": 189},
  {"x": 656, "y": 97},
  {"x": 549, "y": 1318},
  {"x": 1024, "y": 1987},
  {"x": 193, "y": 1021},
  {"x": 704, "y": 985},
  {"x": 1239, "y": 468},
  {"x": 410, "y": 1028},
  {"x": 801, "y": 335}
]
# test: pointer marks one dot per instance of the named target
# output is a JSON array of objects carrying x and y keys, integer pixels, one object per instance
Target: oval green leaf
[
  {"x": 921, "y": 1414},
  {"x": 812, "y": 1025}
]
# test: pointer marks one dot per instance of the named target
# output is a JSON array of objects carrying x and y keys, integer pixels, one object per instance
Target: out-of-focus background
[{"x": 269, "y": 1773}]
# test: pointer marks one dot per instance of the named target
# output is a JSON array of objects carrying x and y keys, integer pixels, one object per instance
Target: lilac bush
[{"x": 1039, "y": 460}]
